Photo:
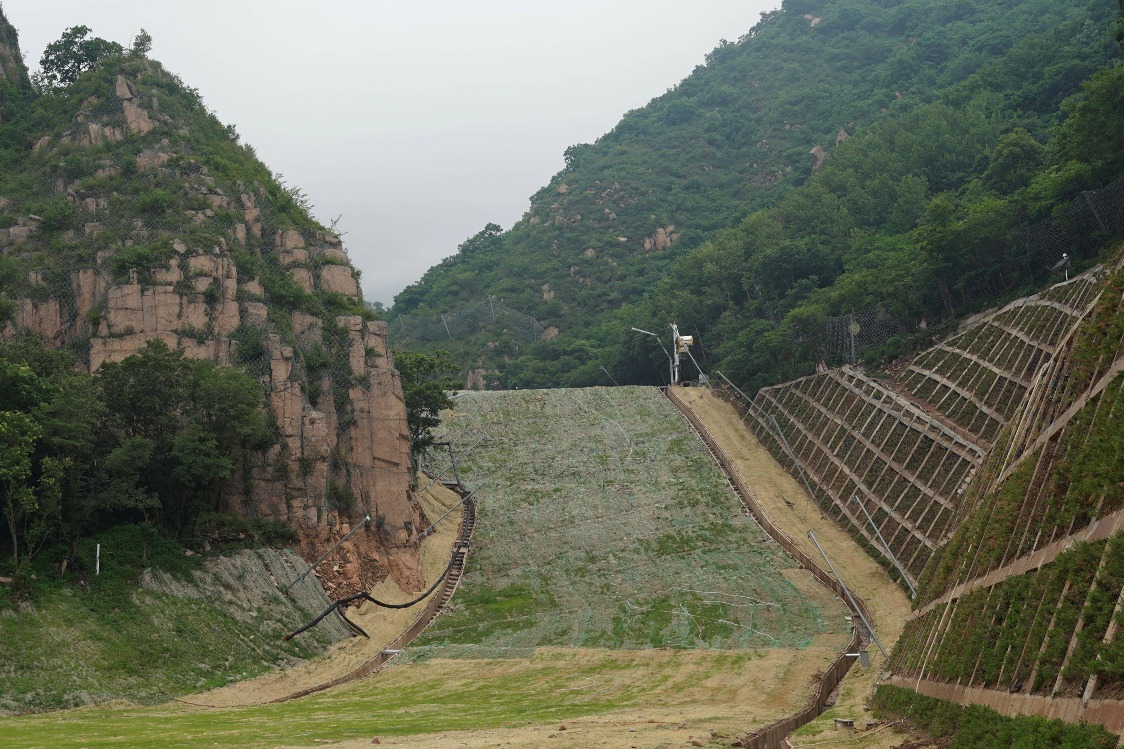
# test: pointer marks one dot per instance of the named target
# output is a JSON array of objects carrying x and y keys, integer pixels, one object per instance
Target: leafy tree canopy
[
  {"x": 153, "y": 437},
  {"x": 425, "y": 382},
  {"x": 73, "y": 54},
  {"x": 486, "y": 240},
  {"x": 941, "y": 127}
]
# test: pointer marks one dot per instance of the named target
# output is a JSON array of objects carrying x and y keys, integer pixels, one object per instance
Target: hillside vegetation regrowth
[
  {"x": 942, "y": 131},
  {"x": 607, "y": 524}
]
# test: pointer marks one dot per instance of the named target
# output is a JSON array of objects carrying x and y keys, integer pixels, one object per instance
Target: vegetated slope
[
  {"x": 188, "y": 626},
  {"x": 1028, "y": 586},
  {"x": 905, "y": 448},
  {"x": 605, "y": 523},
  {"x": 931, "y": 95}
]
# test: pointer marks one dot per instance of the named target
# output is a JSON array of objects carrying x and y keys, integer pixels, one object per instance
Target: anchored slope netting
[
  {"x": 604, "y": 522},
  {"x": 485, "y": 314}
]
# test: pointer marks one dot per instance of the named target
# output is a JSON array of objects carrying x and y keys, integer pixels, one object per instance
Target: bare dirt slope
[{"x": 383, "y": 625}]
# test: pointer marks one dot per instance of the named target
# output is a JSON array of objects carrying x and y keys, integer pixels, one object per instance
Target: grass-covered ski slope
[{"x": 605, "y": 523}]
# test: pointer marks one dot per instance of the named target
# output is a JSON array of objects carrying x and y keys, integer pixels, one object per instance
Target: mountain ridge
[{"x": 597, "y": 251}]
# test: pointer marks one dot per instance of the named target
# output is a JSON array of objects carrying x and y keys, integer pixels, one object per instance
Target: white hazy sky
[{"x": 416, "y": 123}]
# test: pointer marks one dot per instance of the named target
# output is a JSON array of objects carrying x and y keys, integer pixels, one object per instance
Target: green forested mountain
[{"x": 840, "y": 155}]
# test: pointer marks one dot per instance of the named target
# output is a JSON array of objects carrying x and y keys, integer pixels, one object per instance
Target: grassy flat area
[
  {"x": 605, "y": 523},
  {"x": 710, "y": 688}
]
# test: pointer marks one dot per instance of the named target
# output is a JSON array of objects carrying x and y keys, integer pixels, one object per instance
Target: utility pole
[
  {"x": 676, "y": 349},
  {"x": 679, "y": 346}
]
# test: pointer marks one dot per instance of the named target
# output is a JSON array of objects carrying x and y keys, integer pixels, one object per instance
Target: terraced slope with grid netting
[
  {"x": 906, "y": 450},
  {"x": 604, "y": 522},
  {"x": 858, "y": 441},
  {"x": 1026, "y": 596},
  {"x": 979, "y": 378}
]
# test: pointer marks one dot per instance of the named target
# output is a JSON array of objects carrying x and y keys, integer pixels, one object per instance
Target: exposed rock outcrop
[
  {"x": 660, "y": 239},
  {"x": 154, "y": 274},
  {"x": 12, "y": 67},
  {"x": 819, "y": 156}
]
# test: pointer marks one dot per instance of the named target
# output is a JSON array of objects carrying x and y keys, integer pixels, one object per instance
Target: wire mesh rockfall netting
[
  {"x": 1075, "y": 233},
  {"x": 848, "y": 336},
  {"x": 605, "y": 523},
  {"x": 488, "y": 313}
]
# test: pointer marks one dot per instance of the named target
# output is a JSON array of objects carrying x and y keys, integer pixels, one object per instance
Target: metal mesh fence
[
  {"x": 848, "y": 336},
  {"x": 1080, "y": 229},
  {"x": 486, "y": 314},
  {"x": 1076, "y": 232}
]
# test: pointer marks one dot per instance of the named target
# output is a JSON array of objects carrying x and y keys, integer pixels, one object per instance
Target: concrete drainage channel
[
  {"x": 439, "y": 600},
  {"x": 773, "y": 735}
]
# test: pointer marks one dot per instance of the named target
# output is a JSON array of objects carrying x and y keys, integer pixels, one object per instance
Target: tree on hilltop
[{"x": 73, "y": 54}]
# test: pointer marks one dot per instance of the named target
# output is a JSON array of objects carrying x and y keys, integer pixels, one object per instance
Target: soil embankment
[{"x": 383, "y": 625}]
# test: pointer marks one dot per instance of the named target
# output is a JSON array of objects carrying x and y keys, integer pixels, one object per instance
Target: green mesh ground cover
[{"x": 605, "y": 523}]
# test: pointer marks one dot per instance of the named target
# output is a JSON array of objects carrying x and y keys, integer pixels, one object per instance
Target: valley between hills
[{"x": 868, "y": 495}]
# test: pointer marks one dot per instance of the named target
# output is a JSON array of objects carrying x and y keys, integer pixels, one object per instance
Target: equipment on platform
[{"x": 680, "y": 344}]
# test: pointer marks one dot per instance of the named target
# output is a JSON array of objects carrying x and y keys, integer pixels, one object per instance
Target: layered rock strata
[{"x": 197, "y": 280}]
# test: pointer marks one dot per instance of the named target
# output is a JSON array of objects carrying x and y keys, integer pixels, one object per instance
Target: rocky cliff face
[
  {"x": 12, "y": 68},
  {"x": 149, "y": 236}
]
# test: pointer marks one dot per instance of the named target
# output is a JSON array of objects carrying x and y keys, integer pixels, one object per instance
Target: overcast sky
[{"x": 415, "y": 123}]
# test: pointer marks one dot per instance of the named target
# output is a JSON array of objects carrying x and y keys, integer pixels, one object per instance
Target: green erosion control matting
[{"x": 604, "y": 522}]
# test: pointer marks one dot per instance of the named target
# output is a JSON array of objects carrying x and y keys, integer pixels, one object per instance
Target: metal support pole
[
  {"x": 446, "y": 326},
  {"x": 912, "y": 590},
  {"x": 851, "y": 330},
  {"x": 675, "y": 346},
  {"x": 324, "y": 556},
  {"x": 453, "y": 460},
  {"x": 850, "y": 598},
  {"x": 434, "y": 480}
]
